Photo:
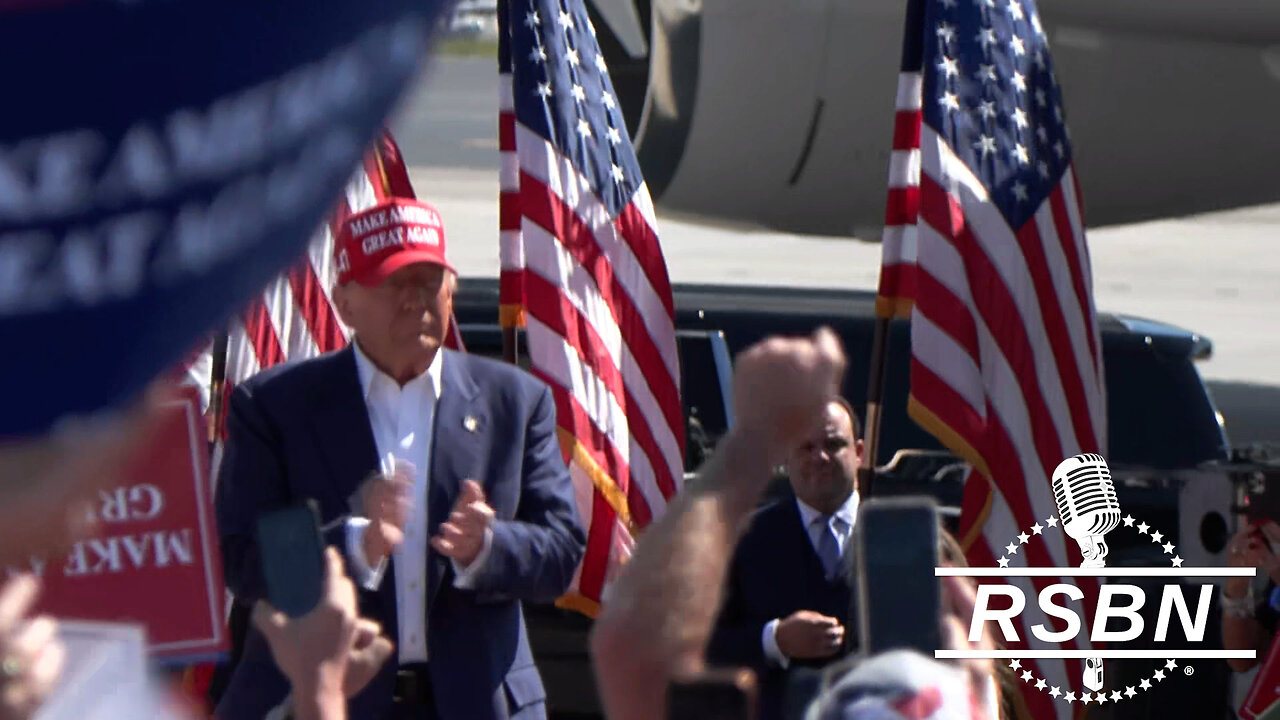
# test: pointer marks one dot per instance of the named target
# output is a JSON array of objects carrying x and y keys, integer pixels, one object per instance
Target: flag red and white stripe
[
  {"x": 1006, "y": 366},
  {"x": 584, "y": 275}
]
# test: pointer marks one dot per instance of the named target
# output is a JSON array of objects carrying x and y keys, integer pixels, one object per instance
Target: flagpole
[
  {"x": 875, "y": 392},
  {"x": 217, "y": 378},
  {"x": 510, "y": 345}
]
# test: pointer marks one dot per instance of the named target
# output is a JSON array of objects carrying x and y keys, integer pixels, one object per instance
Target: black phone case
[
  {"x": 292, "y": 550},
  {"x": 897, "y": 595}
]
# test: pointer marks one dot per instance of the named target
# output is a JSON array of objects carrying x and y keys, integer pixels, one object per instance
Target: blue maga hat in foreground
[{"x": 161, "y": 161}]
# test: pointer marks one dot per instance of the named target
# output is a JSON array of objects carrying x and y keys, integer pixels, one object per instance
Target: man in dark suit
[
  {"x": 787, "y": 594},
  {"x": 438, "y": 475}
]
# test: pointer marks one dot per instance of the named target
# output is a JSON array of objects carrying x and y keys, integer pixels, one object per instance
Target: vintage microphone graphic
[{"x": 1089, "y": 510}]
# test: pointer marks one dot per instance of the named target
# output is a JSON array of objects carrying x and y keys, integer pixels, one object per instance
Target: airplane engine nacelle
[
  {"x": 767, "y": 112},
  {"x": 781, "y": 113}
]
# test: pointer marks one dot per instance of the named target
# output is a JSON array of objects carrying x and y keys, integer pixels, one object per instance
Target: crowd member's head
[
  {"x": 395, "y": 285},
  {"x": 824, "y": 467},
  {"x": 909, "y": 685},
  {"x": 898, "y": 685}
]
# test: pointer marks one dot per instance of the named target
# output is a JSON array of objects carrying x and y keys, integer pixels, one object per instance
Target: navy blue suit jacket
[
  {"x": 302, "y": 431},
  {"x": 775, "y": 572}
]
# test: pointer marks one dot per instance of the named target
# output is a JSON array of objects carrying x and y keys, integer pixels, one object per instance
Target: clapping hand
[
  {"x": 462, "y": 536},
  {"x": 387, "y": 502}
]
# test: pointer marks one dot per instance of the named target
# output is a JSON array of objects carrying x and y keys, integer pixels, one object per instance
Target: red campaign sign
[{"x": 155, "y": 559}]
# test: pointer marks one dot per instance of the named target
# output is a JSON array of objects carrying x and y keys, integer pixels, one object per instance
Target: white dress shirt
[
  {"x": 402, "y": 419},
  {"x": 848, "y": 513}
]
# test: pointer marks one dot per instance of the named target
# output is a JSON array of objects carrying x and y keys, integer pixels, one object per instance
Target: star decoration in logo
[{"x": 1101, "y": 697}]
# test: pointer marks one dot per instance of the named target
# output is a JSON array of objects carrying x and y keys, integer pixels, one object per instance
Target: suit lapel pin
[{"x": 469, "y": 422}]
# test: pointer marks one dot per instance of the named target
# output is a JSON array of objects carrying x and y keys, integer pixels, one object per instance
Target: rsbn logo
[{"x": 1087, "y": 511}]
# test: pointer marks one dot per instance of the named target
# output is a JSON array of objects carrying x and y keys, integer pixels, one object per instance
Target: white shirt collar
[
  {"x": 371, "y": 376},
  {"x": 848, "y": 512}
]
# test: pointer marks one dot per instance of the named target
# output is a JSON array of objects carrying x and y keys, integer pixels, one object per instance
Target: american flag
[
  {"x": 583, "y": 273},
  {"x": 984, "y": 251}
]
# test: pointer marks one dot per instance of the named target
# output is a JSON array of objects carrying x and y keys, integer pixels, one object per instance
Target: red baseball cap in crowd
[{"x": 376, "y": 242}]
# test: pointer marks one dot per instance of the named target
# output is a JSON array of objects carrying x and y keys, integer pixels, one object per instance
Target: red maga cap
[{"x": 376, "y": 242}]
